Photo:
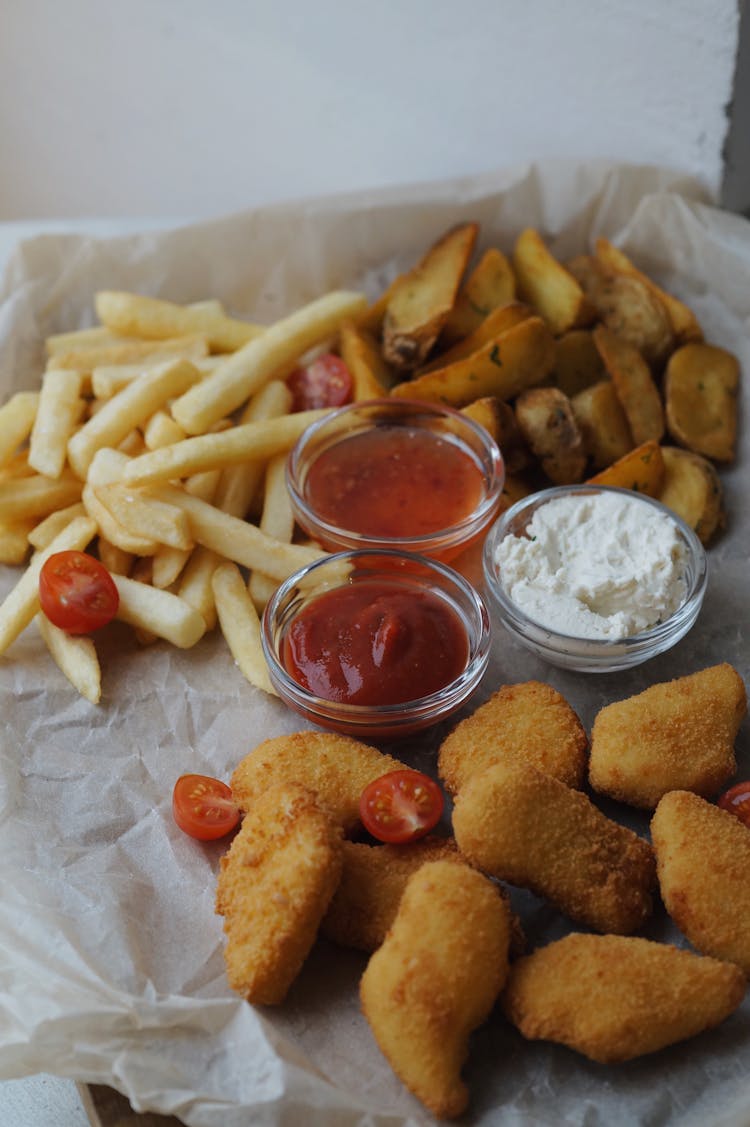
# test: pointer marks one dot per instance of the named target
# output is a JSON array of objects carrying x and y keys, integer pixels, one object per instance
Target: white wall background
[{"x": 187, "y": 108}]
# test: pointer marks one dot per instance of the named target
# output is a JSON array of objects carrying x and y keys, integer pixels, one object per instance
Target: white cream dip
[{"x": 599, "y": 565}]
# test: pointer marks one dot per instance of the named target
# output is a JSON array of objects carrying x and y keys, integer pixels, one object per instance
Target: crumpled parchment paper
[{"x": 110, "y": 952}]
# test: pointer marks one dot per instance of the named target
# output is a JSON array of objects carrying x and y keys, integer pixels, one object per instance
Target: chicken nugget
[
  {"x": 336, "y": 768},
  {"x": 435, "y": 978},
  {"x": 677, "y": 735},
  {"x": 615, "y": 997},
  {"x": 530, "y": 722},
  {"x": 527, "y": 828},
  {"x": 275, "y": 884},
  {"x": 703, "y": 866}
]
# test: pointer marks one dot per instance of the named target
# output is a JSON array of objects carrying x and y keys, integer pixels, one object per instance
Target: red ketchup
[
  {"x": 375, "y": 643},
  {"x": 394, "y": 482}
]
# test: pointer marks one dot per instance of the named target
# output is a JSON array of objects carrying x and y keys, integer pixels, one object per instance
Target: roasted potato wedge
[
  {"x": 514, "y": 489},
  {"x": 577, "y": 362},
  {"x": 422, "y": 300},
  {"x": 517, "y": 359},
  {"x": 602, "y": 423},
  {"x": 692, "y": 489},
  {"x": 633, "y": 383},
  {"x": 641, "y": 470},
  {"x": 700, "y": 392},
  {"x": 628, "y": 307},
  {"x": 548, "y": 286},
  {"x": 682, "y": 319},
  {"x": 490, "y": 284},
  {"x": 499, "y": 419},
  {"x": 372, "y": 378},
  {"x": 498, "y": 321},
  {"x": 546, "y": 421}
]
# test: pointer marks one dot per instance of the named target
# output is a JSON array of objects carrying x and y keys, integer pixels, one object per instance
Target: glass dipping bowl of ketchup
[
  {"x": 395, "y": 473},
  {"x": 376, "y": 644}
]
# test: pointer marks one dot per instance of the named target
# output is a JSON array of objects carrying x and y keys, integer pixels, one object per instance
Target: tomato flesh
[
  {"x": 77, "y": 593},
  {"x": 401, "y": 806},
  {"x": 327, "y": 382},
  {"x": 203, "y": 807},
  {"x": 737, "y": 801}
]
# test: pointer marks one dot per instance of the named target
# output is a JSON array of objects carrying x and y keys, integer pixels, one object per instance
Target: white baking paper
[{"x": 110, "y": 952}]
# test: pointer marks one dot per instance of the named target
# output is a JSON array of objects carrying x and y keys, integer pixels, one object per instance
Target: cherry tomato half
[
  {"x": 401, "y": 806},
  {"x": 327, "y": 382},
  {"x": 737, "y": 801},
  {"x": 203, "y": 807},
  {"x": 77, "y": 593}
]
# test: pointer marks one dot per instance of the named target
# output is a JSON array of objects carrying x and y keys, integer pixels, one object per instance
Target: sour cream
[{"x": 600, "y": 565}]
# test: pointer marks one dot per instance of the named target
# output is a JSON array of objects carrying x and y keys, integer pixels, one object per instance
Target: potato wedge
[
  {"x": 422, "y": 300},
  {"x": 577, "y": 362},
  {"x": 546, "y": 421},
  {"x": 513, "y": 361},
  {"x": 498, "y": 321},
  {"x": 371, "y": 376},
  {"x": 692, "y": 489},
  {"x": 682, "y": 319},
  {"x": 628, "y": 307},
  {"x": 499, "y": 419},
  {"x": 548, "y": 286},
  {"x": 633, "y": 383},
  {"x": 641, "y": 469},
  {"x": 514, "y": 489},
  {"x": 603, "y": 423},
  {"x": 491, "y": 283},
  {"x": 700, "y": 392}
]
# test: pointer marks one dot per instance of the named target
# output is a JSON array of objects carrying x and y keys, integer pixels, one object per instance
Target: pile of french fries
[{"x": 158, "y": 439}]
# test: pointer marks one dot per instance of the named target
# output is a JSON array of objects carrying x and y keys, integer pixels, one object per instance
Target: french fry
[
  {"x": 240, "y": 625},
  {"x": 517, "y": 359},
  {"x": 108, "y": 379},
  {"x": 371, "y": 376},
  {"x": 79, "y": 339},
  {"x": 111, "y": 529},
  {"x": 491, "y": 284},
  {"x": 277, "y": 520},
  {"x": 162, "y": 430},
  {"x": 245, "y": 443},
  {"x": 247, "y": 370},
  {"x": 641, "y": 470},
  {"x": 421, "y": 301},
  {"x": 158, "y": 612},
  {"x": 46, "y": 530},
  {"x": 14, "y": 542},
  {"x": 16, "y": 466},
  {"x": 131, "y": 352},
  {"x": 114, "y": 559},
  {"x": 167, "y": 565},
  {"x": 22, "y": 602},
  {"x": 146, "y": 516},
  {"x": 634, "y": 385},
  {"x": 195, "y": 585},
  {"x": 700, "y": 391},
  {"x": 132, "y": 406},
  {"x": 16, "y": 420},
  {"x": 75, "y": 656},
  {"x": 548, "y": 286},
  {"x": 498, "y": 321},
  {"x": 60, "y": 407},
  {"x": 37, "y": 496},
  {"x": 156, "y": 319},
  {"x": 239, "y": 484}
]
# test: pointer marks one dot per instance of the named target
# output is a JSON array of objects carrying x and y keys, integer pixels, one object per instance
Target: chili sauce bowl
[
  {"x": 595, "y": 655},
  {"x": 396, "y": 474},
  {"x": 321, "y": 597}
]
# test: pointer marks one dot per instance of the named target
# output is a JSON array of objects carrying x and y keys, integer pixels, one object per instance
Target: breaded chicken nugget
[
  {"x": 678, "y": 735},
  {"x": 614, "y": 997},
  {"x": 335, "y": 767},
  {"x": 703, "y": 865},
  {"x": 274, "y": 886},
  {"x": 527, "y": 828},
  {"x": 372, "y": 883},
  {"x": 530, "y": 722},
  {"x": 435, "y": 979}
]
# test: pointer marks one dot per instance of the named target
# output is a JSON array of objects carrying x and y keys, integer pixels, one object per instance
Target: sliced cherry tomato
[
  {"x": 203, "y": 807},
  {"x": 77, "y": 593},
  {"x": 401, "y": 806},
  {"x": 327, "y": 382},
  {"x": 737, "y": 801}
]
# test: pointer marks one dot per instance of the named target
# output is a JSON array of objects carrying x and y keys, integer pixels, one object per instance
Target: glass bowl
[
  {"x": 374, "y": 494},
  {"x": 593, "y": 654},
  {"x": 414, "y": 575}
]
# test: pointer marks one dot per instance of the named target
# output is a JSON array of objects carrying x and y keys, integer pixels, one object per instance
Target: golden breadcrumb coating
[
  {"x": 335, "y": 767},
  {"x": 435, "y": 979},
  {"x": 531, "y": 830},
  {"x": 615, "y": 997},
  {"x": 530, "y": 722},
  {"x": 677, "y": 735},
  {"x": 275, "y": 884},
  {"x": 703, "y": 865}
]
